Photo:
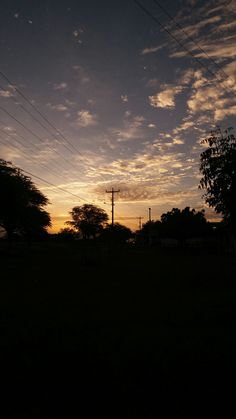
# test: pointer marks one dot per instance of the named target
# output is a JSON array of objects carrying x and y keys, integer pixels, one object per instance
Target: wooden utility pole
[
  {"x": 149, "y": 227},
  {"x": 150, "y": 214},
  {"x": 140, "y": 222},
  {"x": 112, "y": 203}
]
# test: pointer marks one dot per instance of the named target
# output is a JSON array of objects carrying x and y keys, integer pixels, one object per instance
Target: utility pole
[
  {"x": 150, "y": 214},
  {"x": 112, "y": 203},
  {"x": 149, "y": 227},
  {"x": 140, "y": 222}
]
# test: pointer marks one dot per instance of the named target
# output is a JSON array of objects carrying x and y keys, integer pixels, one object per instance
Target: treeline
[{"x": 23, "y": 214}]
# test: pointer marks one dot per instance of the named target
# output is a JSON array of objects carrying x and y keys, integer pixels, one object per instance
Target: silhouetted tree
[
  {"x": 218, "y": 167},
  {"x": 184, "y": 224},
  {"x": 117, "y": 233},
  {"x": 177, "y": 224},
  {"x": 88, "y": 219},
  {"x": 67, "y": 234},
  {"x": 21, "y": 206}
]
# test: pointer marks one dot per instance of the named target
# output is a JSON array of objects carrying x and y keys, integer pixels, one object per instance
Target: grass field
[{"x": 91, "y": 332}]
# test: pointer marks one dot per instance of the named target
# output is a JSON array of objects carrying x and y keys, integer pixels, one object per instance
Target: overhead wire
[
  {"x": 189, "y": 52},
  {"x": 12, "y": 85},
  {"x": 27, "y": 144},
  {"x": 37, "y": 120},
  {"x": 180, "y": 27},
  {"x": 23, "y": 145},
  {"x": 54, "y": 171},
  {"x": 44, "y": 180},
  {"x": 17, "y": 90},
  {"x": 35, "y": 135},
  {"x": 20, "y": 93},
  {"x": 52, "y": 184}
]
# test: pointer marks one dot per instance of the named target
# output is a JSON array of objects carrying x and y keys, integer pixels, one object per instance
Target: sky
[{"x": 117, "y": 101}]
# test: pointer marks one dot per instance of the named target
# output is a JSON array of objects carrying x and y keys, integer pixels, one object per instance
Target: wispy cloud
[
  {"x": 77, "y": 34},
  {"x": 60, "y": 86},
  {"x": 153, "y": 83},
  {"x": 124, "y": 98},
  {"x": 82, "y": 75},
  {"x": 151, "y": 50},
  {"x": 86, "y": 119},
  {"x": 60, "y": 107},
  {"x": 132, "y": 128},
  {"x": 6, "y": 93},
  {"x": 165, "y": 98}
]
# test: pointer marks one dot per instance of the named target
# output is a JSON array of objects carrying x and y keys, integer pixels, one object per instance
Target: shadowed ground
[{"x": 90, "y": 332}]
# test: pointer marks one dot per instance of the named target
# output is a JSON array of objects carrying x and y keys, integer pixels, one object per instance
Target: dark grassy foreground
[{"x": 88, "y": 333}]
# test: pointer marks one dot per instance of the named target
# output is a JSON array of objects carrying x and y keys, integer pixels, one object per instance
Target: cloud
[
  {"x": 184, "y": 126},
  {"x": 212, "y": 31},
  {"x": 124, "y": 98},
  {"x": 128, "y": 114},
  {"x": 220, "y": 114},
  {"x": 132, "y": 128},
  {"x": 178, "y": 141},
  {"x": 9, "y": 128},
  {"x": 60, "y": 86},
  {"x": 70, "y": 102},
  {"x": 83, "y": 77},
  {"x": 151, "y": 126},
  {"x": 86, "y": 118},
  {"x": 5, "y": 93},
  {"x": 151, "y": 50},
  {"x": 60, "y": 107},
  {"x": 165, "y": 98},
  {"x": 77, "y": 33},
  {"x": 152, "y": 83},
  {"x": 213, "y": 98},
  {"x": 91, "y": 102}
]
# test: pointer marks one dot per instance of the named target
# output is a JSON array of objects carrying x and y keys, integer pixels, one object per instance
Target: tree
[
  {"x": 218, "y": 167},
  {"x": 117, "y": 233},
  {"x": 88, "y": 219},
  {"x": 184, "y": 224},
  {"x": 67, "y": 234},
  {"x": 21, "y": 207},
  {"x": 178, "y": 224}
]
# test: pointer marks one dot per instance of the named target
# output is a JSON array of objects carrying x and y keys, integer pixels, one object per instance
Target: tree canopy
[
  {"x": 88, "y": 219},
  {"x": 183, "y": 224},
  {"x": 21, "y": 207},
  {"x": 218, "y": 169},
  {"x": 179, "y": 224},
  {"x": 117, "y": 233}
]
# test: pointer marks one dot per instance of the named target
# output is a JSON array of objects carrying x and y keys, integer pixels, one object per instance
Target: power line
[
  {"x": 156, "y": 20},
  {"x": 37, "y": 120},
  {"x": 55, "y": 173},
  {"x": 35, "y": 135},
  {"x": 43, "y": 180},
  {"x": 11, "y": 84},
  {"x": 12, "y": 145},
  {"x": 40, "y": 123},
  {"x": 180, "y": 27},
  {"x": 52, "y": 184},
  {"x": 37, "y": 110},
  {"x": 11, "y": 136}
]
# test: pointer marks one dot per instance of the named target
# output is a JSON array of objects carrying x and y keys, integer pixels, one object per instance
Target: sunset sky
[{"x": 121, "y": 103}]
